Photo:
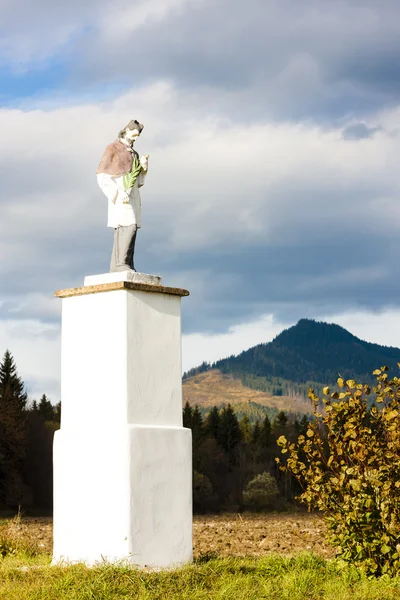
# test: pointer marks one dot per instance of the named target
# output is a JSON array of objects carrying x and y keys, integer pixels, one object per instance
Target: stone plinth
[
  {"x": 131, "y": 276},
  {"x": 122, "y": 460}
]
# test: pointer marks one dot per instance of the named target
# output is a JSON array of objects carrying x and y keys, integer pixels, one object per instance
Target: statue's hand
[{"x": 144, "y": 161}]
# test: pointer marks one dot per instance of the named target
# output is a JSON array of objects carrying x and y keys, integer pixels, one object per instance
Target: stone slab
[
  {"x": 120, "y": 285},
  {"x": 123, "y": 276}
]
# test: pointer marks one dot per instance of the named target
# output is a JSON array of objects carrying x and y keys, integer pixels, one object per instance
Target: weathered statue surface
[{"x": 120, "y": 175}]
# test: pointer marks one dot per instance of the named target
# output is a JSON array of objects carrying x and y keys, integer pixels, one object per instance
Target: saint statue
[{"x": 120, "y": 175}]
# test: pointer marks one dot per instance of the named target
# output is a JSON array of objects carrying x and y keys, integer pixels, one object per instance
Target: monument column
[{"x": 122, "y": 459}]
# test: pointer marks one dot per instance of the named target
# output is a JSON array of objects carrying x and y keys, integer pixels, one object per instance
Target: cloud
[
  {"x": 35, "y": 346},
  {"x": 275, "y": 59},
  {"x": 359, "y": 131},
  {"x": 273, "y": 131},
  {"x": 273, "y": 217}
]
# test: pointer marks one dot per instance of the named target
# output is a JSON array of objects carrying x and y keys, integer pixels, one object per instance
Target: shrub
[
  {"x": 204, "y": 499},
  {"x": 261, "y": 492},
  {"x": 348, "y": 464}
]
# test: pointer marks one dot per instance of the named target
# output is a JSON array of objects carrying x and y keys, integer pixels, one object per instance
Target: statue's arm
[{"x": 108, "y": 186}]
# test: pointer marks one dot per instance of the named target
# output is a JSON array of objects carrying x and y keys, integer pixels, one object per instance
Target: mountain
[
  {"x": 313, "y": 351},
  {"x": 309, "y": 354}
]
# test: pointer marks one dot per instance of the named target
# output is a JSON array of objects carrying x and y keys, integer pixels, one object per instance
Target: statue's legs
[{"x": 122, "y": 258}]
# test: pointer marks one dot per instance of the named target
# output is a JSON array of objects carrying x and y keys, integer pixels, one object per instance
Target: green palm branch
[{"x": 130, "y": 178}]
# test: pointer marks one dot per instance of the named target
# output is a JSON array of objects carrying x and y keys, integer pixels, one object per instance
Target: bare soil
[{"x": 221, "y": 535}]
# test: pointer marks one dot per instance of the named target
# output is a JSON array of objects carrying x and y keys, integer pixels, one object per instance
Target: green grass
[{"x": 304, "y": 577}]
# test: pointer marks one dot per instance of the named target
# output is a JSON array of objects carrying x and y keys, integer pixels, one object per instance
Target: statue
[{"x": 120, "y": 175}]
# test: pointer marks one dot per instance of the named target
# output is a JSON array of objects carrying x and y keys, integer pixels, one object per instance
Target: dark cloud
[
  {"x": 360, "y": 131},
  {"x": 285, "y": 59}
]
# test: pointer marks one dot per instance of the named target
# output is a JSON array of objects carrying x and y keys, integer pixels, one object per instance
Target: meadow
[{"x": 274, "y": 556}]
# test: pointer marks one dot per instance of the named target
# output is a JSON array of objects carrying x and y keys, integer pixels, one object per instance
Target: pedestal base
[
  {"x": 123, "y": 495},
  {"x": 123, "y": 276}
]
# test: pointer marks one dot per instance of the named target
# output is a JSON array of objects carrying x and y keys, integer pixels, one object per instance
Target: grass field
[{"x": 231, "y": 563}]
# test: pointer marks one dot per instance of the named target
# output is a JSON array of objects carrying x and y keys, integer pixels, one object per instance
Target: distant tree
[
  {"x": 261, "y": 493},
  {"x": 13, "y": 426},
  {"x": 197, "y": 425},
  {"x": 38, "y": 463},
  {"x": 34, "y": 406},
  {"x": 187, "y": 415},
  {"x": 265, "y": 433},
  {"x": 279, "y": 424},
  {"x": 204, "y": 498},
  {"x": 212, "y": 423},
  {"x": 214, "y": 463},
  {"x": 230, "y": 434},
  {"x": 245, "y": 429},
  {"x": 301, "y": 425},
  {"x": 256, "y": 433},
  {"x": 45, "y": 409}
]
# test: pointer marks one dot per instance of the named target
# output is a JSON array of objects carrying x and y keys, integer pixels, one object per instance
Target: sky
[{"x": 273, "y": 128}]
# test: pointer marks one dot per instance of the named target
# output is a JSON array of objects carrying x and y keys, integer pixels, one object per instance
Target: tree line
[
  {"x": 228, "y": 454},
  {"x": 26, "y": 440}
]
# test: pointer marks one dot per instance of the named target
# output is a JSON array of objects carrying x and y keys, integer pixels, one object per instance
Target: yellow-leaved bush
[{"x": 348, "y": 466}]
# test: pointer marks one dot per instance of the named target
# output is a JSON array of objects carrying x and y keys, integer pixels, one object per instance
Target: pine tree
[
  {"x": 265, "y": 434},
  {"x": 279, "y": 424},
  {"x": 187, "y": 415},
  {"x": 11, "y": 385},
  {"x": 212, "y": 423},
  {"x": 230, "y": 434},
  {"x": 301, "y": 425},
  {"x": 245, "y": 428},
  {"x": 45, "y": 409},
  {"x": 256, "y": 433},
  {"x": 13, "y": 427},
  {"x": 197, "y": 425}
]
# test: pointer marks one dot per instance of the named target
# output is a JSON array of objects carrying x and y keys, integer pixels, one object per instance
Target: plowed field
[{"x": 221, "y": 535}]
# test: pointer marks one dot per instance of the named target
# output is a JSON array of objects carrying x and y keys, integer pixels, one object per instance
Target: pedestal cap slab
[
  {"x": 123, "y": 276},
  {"x": 120, "y": 285}
]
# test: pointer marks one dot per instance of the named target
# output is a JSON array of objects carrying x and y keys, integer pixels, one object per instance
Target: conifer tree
[
  {"x": 45, "y": 409},
  {"x": 187, "y": 415},
  {"x": 212, "y": 423},
  {"x": 230, "y": 434},
  {"x": 279, "y": 424},
  {"x": 197, "y": 425},
  {"x": 256, "y": 433},
  {"x": 12, "y": 431},
  {"x": 245, "y": 429},
  {"x": 265, "y": 433}
]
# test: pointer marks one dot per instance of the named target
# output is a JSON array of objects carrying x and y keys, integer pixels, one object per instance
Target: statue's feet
[{"x": 123, "y": 268}]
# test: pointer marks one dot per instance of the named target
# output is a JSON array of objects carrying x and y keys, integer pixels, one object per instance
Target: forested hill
[{"x": 310, "y": 351}]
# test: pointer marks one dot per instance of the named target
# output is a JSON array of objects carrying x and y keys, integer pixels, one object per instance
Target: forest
[{"x": 228, "y": 453}]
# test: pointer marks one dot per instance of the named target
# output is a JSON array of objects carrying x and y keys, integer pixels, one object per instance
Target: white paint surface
[
  {"x": 123, "y": 276},
  {"x": 122, "y": 460}
]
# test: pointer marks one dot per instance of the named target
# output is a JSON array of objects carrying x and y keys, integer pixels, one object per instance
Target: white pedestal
[{"x": 122, "y": 460}]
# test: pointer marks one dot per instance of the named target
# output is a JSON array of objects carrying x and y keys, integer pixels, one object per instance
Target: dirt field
[{"x": 222, "y": 535}]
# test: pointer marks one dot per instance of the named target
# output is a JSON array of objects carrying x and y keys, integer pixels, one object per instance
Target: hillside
[
  {"x": 213, "y": 388},
  {"x": 312, "y": 351},
  {"x": 309, "y": 354}
]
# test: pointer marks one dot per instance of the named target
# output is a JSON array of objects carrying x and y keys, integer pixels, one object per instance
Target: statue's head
[{"x": 131, "y": 131}]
